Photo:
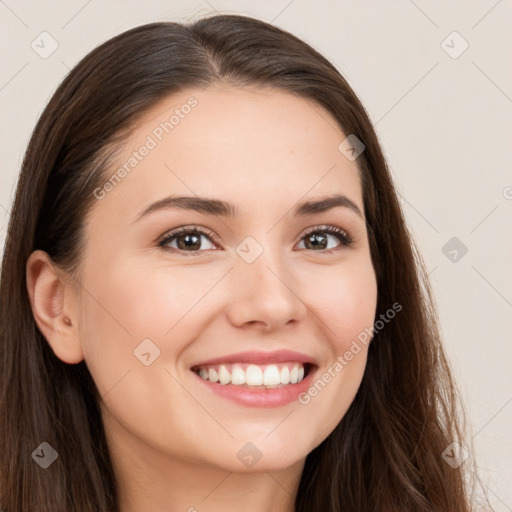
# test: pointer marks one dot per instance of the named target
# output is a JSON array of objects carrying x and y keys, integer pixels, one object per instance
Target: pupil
[
  {"x": 315, "y": 243},
  {"x": 189, "y": 244}
]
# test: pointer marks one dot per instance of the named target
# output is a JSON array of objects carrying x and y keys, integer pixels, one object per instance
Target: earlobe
[{"x": 52, "y": 313}]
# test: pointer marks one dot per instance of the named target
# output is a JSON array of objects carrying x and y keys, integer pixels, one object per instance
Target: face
[{"x": 263, "y": 290}]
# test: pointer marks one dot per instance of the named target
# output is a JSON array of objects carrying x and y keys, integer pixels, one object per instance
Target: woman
[{"x": 209, "y": 297}]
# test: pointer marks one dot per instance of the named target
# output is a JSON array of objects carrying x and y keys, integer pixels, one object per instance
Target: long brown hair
[{"x": 385, "y": 454}]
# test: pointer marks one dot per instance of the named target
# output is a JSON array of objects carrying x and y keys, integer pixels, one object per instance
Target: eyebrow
[{"x": 224, "y": 209}]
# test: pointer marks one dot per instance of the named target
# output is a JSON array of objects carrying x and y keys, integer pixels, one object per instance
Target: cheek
[
  {"x": 129, "y": 303},
  {"x": 352, "y": 308},
  {"x": 345, "y": 299},
  {"x": 125, "y": 306},
  {"x": 157, "y": 297}
]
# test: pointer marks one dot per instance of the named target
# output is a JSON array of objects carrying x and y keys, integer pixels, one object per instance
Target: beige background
[{"x": 444, "y": 119}]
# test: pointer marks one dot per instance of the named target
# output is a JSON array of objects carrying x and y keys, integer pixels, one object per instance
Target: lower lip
[{"x": 273, "y": 397}]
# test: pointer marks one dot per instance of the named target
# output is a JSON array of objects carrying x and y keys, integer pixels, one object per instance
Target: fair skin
[{"x": 174, "y": 444}]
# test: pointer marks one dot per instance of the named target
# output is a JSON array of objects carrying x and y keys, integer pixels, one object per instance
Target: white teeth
[
  {"x": 224, "y": 375},
  {"x": 271, "y": 375},
  {"x": 254, "y": 375},
  {"x": 237, "y": 376},
  {"x": 285, "y": 375}
]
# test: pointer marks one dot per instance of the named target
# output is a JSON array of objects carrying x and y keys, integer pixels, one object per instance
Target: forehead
[{"x": 258, "y": 148}]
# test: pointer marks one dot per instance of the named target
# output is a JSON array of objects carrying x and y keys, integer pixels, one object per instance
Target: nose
[{"x": 264, "y": 295}]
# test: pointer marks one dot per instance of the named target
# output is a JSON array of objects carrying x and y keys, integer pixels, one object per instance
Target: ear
[{"x": 53, "y": 307}]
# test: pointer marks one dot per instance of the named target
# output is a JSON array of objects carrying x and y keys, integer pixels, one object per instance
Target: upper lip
[{"x": 260, "y": 357}]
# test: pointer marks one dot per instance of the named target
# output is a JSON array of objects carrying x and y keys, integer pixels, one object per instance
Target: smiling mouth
[{"x": 254, "y": 376}]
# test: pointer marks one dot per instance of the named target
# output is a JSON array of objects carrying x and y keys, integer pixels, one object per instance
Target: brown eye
[
  {"x": 318, "y": 238},
  {"x": 186, "y": 240}
]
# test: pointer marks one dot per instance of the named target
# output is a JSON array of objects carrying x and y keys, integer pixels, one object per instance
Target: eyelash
[{"x": 341, "y": 234}]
